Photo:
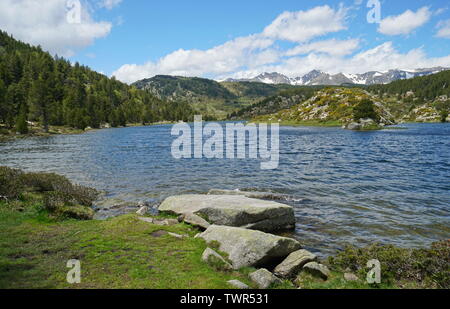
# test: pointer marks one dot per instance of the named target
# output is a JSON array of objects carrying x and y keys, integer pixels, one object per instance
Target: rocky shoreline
[{"x": 237, "y": 230}]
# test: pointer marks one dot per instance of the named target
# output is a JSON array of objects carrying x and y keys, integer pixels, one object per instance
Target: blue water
[{"x": 391, "y": 186}]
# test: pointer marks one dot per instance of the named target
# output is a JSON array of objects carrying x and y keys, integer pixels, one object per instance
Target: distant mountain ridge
[{"x": 317, "y": 78}]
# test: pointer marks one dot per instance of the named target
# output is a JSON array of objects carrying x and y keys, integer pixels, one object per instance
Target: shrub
[
  {"x": 64, "y": 205},
  {"x": 45, "y": 182},
  {"x": 60, "y": 196},
  {"x": 10, "y": 183},
  {"x": 365, "y": 109},
  {"x": 427, "y": 266}
]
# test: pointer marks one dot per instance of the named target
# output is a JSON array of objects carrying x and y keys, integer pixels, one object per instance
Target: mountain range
[{"x": 316, "y": 77}]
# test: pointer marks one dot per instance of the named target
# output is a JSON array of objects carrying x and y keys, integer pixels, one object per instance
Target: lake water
[{"x": 391, "y": 186}]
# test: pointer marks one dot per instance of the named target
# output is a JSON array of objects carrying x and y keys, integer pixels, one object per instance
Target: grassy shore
[{"x": 45, "y": 222}]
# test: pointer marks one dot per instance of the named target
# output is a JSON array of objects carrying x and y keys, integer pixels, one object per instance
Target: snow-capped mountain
[{"x": 316, "y": 77}]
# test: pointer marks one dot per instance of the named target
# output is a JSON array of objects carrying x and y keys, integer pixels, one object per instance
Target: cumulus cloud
[
  {"x": 109, "y": 4},
  {"x": 380, "y": 58},
  {"x": 250, "y": 51},
  {"x": 405, "y": 23},
  {"x": 444, "y": 29},
  {"x": 248, "y": 56},
  {"x": 46, "y": 23},
  {"x": 302, "y": 26}
]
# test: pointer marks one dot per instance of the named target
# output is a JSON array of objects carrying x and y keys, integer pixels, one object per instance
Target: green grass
[
  {"x": 122, "y": 252},
  {"x": 125, "y": 252}
]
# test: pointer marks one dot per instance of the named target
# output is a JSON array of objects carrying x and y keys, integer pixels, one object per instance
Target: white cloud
[
  {"x": 380, "y": 58},
  {"x": 331, "y": 47},
  {"x": 405, "y": 23},
  {"x": 444, "y": 29},
  {"x": 302, "y": 26},
  {"x": 250, "y": 51},
  {"x": 246, "y": 57},
  {"x": 45, "y": 23},
  {"x": 109, "y": 4}
]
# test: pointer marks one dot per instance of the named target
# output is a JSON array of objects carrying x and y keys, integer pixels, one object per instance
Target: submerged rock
[
  {"x": 294, "y": 263},
  {"x": 249, "y": 247},
  {"x": 233, "y": 210},
  {"x": 264, "y": 278}
]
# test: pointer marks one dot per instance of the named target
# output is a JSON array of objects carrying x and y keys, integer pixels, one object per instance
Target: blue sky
[{"x": 134, "y": 39}]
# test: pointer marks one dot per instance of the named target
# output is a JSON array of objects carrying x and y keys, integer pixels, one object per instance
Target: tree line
[{"x": 36, "y": 87}]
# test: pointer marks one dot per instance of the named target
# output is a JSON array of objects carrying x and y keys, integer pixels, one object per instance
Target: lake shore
[{"x": 128, "y": 252}]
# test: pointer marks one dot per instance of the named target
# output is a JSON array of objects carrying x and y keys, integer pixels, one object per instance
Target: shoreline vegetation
[
  {"x": 137, "y": 251},
  {"x": 8, "y": 134}
]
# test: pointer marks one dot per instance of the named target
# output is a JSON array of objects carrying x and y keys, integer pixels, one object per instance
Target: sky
[{"x": 136, "y": 39}]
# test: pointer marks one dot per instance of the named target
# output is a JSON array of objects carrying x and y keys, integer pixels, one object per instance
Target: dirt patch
[{"x": 158, "y": 234}]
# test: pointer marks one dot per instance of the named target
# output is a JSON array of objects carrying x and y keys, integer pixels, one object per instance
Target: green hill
[
  {"x": 421, "y": 99},
  {"x": 333, "y": 106},
  {"x": 208, "y": 96},
  {"x": 36, "y": 88}
]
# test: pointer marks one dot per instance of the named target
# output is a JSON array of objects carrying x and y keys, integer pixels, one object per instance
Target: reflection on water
[{"x": 347, "y": 187}]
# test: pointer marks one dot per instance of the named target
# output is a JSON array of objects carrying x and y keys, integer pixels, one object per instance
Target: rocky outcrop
[
  {"x": 293, "y": 264},
  {"x": 249, "y": 247},
  {"x": 363, "y": 124},
  {"x": 233, "y": 210},
  {"x": 264, "y": 278}
]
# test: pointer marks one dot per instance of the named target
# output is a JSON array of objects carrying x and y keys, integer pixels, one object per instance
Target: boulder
[
  {"x": 249, "y": 194},
  {"x": 292, "y": 265},
  {"x": 350, "y": 277},
  {"x": 215, "y": 259},
  {"x": 264, "y": 278},
  {"x": 142, "y": 211},
  {"x": 317, "y": 270},
  {"x": 249, "y": 247},
  {"x": 194, "y": 220},
  {"x": 353, "y": 126},
  {"x": 233, "y": 210},
  {"x": 238, "y": 284},
  {"x": 167, "y": 222}
]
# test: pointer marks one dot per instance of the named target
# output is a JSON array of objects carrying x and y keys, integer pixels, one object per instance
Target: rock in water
[
  {"x": 236, "y": 211},
  {"x": 317, "y": 270},
  {"x": 264, "y": 278},
  {"x": 238, "y": 284},
  {"x": 249, "y": 247},
  {"x": 294, "y": 263},
  {"x": 215, "y": 259},
  {"x": 142, "y": 211}
]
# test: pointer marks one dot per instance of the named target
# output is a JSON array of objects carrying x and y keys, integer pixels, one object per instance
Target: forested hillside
[
  {"x": 35, "y": 87},
  {"x": 209, "y": 97}
]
